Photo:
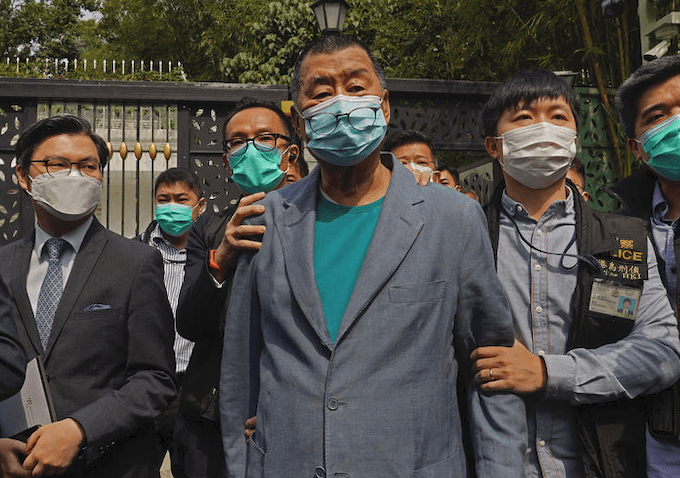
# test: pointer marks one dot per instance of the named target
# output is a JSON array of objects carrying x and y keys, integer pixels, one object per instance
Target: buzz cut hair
[
  {"x": 179, "y": 175},
  {"x": 248, "y": 103},
  {"x": 411, "y": 136}
]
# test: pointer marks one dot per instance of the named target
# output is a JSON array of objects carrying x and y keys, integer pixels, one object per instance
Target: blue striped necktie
[{"x": 51, "y": 289}]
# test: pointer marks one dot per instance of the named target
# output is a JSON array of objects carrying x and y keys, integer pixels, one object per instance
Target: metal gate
[
  {"x": 150, "y": 127},
  {"x": 183, "y": 123}
]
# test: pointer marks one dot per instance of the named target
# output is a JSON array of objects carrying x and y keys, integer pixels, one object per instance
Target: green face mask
[
  {"x": 254, "y": 170},
  {"x": 662, "y": 145},
  {"x": 174, "y": 219}
]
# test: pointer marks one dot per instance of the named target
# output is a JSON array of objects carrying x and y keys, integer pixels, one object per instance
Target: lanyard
[{"x": 588, "y": 259}]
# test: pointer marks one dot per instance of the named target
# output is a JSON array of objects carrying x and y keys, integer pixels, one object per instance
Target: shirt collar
[
  {"x": 659, "y": 204},
  {"x": 75, "y": 237},
  {"x": 158, "y": 238},
  {"x": 560, "y": 208}
]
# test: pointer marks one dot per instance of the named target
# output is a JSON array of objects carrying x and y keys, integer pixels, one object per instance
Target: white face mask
[
  {"x": 422, "y": 169},
  {"x": 538, "y": 155},
  {"x": 68, "y": 197}
]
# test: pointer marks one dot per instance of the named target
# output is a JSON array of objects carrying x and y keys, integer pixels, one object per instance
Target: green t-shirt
[{"x": 341, "y": 239}]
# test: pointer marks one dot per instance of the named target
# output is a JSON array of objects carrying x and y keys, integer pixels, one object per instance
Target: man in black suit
[
  {"x": 94, "y": 306},
  {"x": 258, "y": 137}
]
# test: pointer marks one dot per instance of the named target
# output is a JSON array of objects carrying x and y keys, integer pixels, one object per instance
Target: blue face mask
[
  {"x": 662, "y": 145},
  {"x": 254, "y": 170},
  {"x": 173, "y": 218},
  {"x": 344, "y": 130}
]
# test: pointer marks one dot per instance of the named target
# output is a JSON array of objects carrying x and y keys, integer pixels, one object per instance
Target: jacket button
[
  {"x": 333, "y": 404},
  {"x": 320, "y": 472}
]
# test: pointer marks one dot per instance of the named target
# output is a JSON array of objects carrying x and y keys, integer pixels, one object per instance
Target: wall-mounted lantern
[{"x": 330, "y": 15}]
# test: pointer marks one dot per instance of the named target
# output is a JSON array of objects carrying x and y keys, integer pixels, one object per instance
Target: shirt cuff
[
  {"x": 218, "y": 285},
  {"x": 561, "y": 371}
]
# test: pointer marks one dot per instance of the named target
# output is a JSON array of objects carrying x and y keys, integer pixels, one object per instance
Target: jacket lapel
[
  {"x": 297, "y": 237},
  {"x": 86, "y": 258},
  {"x": 397, "y": 229},
  {"x": 20, "y": 265}
]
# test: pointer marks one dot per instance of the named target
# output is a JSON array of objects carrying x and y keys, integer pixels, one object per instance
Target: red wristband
[{"x": 212, "y": 264}]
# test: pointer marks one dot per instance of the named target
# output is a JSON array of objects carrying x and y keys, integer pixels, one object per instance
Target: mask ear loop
[
  {"x": 289, "y": 158},
  {"x": 588, "y": 259}
]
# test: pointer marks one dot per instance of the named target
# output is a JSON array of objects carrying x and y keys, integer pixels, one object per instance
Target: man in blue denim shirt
[
  {"x": 567, "y": 271},
  {"x": 648, "y": 104}
]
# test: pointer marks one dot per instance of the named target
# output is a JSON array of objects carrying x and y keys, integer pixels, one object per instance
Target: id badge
[{"x": 613, "y": 299}]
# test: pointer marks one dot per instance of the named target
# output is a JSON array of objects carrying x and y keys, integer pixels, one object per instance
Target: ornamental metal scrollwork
[
  {"x": 451, "y": 123},
  {"x": 206, "y": 155},
  {"x": 11, "y": 198}
]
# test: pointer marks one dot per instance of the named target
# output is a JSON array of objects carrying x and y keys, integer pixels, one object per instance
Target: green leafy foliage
[
  {"x": 257, "y": 42},
  {"x": 441, "y": 39},
  {"x": 197, "y": 33},
  {"x": 274, "y": 40},
  {"x": 131, "y": 29},
  {"x": 42, "y": 28}
]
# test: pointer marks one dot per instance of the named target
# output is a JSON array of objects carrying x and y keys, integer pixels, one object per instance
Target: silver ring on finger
[{"x": 491, "y": 374}]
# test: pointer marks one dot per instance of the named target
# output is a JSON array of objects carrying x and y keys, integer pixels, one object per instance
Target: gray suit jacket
[
  {"x": 381, "y": 401},
  {"x": 109, "y": 359}
]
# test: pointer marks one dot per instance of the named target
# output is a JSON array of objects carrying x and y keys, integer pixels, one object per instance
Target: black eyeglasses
[
  {"x": 360, "y": 119},
  {"x": 263, "y": 142},
  {"x": 86, "y": 167}
]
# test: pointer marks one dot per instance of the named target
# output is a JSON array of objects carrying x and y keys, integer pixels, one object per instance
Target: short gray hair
[{"x": 329, "y": 44}]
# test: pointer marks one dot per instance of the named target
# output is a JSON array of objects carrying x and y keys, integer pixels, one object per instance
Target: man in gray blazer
[
  {"x": 346, "y": 330},
  {"x": 93, "y": 304}
]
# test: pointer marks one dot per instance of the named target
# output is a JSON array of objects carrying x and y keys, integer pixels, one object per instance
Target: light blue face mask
[
  {"x": 173, "y": 218},
  {"x": 254, "y": 170},
  {"x": 662, "y": 145},
  {"x": 344, "y": 130}
]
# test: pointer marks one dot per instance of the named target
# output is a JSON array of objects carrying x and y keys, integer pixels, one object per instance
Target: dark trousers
[
  {"x": 195, "y": 444},
  {"x": 198, "y": 449}
]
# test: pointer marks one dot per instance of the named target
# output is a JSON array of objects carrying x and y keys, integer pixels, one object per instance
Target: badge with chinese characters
[
  {"x": 623, "y": 271},
  {"x": 626, "y": 263},
  {"x": 614, "y": 299}
]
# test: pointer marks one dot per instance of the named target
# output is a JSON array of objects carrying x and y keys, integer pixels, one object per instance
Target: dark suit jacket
[
  {"x": 109, "y": 360},
  {"x": 200, "y": 318},
  {"x": 12, "y": 357}
]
